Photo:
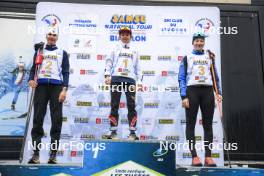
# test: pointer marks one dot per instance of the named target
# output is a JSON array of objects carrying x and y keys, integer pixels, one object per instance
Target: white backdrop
[{"x": 162, "y": 35}]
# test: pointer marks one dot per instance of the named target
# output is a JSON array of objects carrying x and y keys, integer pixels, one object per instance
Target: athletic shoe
[
  {"x": 52, "y": 159},
  {"x": 34, "y": 159},
  {"x": 208, "y": 162},
  {"x": 132, "y": 136},
  {"x": 196, "y": 162},
  {"x": 113, "y": 135}
]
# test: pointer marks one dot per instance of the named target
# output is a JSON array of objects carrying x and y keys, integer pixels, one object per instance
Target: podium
[{"x": 108, "y": 158}]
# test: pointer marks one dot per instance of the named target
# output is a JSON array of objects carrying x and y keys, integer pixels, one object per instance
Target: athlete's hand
[
  {"x": 219, "y": 98},
  {"x": 32, "y": 84},
  {"x": 185, "y": 103},
  {"x": 62, "y": 96},
  {"x": 107, "y": 80},
  {"x": 211, "y": 54}
]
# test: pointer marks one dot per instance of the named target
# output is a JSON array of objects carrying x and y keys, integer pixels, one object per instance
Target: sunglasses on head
[
  {"x": 54, "y": 35},
  {"x": 125, "y": 28}
]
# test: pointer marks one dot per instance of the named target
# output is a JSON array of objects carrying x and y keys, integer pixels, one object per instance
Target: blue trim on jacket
[
  {"x": 182, "y": 77},
  {"x": 65, "y": 66}
]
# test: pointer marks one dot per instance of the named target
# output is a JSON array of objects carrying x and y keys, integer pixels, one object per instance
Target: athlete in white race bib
[
  {"x": 122, "y": 72},
  {"x": 51, "y": 86},
  {"x": 196, "y": 88}
]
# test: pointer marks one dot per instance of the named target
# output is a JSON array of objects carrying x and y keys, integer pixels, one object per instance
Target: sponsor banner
[{"x": 159, "y": 109}]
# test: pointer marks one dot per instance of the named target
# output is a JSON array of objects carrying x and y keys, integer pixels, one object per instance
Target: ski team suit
[
  {"x": 196, "y": 84},
  {"x": 122, "y": 65},
  {"x": 52, "y": 76}
]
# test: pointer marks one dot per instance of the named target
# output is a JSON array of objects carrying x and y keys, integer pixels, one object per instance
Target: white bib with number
[
  {"x": 51, "y": 65},
  {"x": 124, "y": 65},
  {"x": 198, "y": 70}
]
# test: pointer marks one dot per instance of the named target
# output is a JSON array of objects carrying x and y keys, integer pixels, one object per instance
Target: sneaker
[
  {"x": 13, "y": 107},
  {"x": 113, "y": 136},
  {"x": 34, "y": 159},
  {"x": 196, "y": 162},
  {"x": 209, "y": 162},
  {"x": 132, "y": 136},
  {"x": 52, "y": 159}
]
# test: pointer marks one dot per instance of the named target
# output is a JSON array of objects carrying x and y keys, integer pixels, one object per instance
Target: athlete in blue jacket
[
  {"x": 51, "y": 86},
  {"x": 196, "y": 89}
]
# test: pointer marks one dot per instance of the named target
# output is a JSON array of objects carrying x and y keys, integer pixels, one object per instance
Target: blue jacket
[
  {"x": 182, "y": 77},
  {"x": 65, "y": 69}
]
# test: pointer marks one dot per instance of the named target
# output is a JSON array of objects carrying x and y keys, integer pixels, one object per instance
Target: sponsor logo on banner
[
  {"x": 104, "y": 104},
  {"x": 59, "y": 153},
  {"x": 148, "y": 73},
  {"x": 137, "y": 23},
  {"x": 201, "y": 121},
  {"x": 173, "y": 26},
  {"x": 81, "y": 120},
  {"x": 82, "y": 44},
  {"x": 124, "y": 121},
  {"x": 160, "y": 152},
  {"x": 145, "y": 57},
  {"x": 169, "y": 73},
  {"x": 103, "y": 88},
  {"x": 101, "y": 57},
  {"x": 183, "y": 122},
  {"x": 148, "y": 137},
  {"x": 102, "y": 121},
  {"x": 66, "y": 136},
  {"x": 147, "y": 122},
  {"x": 71, "y": 70},
  {"x": 187, "y": 155},
  {"x": 128, "y": 168},
  {"x": 75, "y": 153},
  {"x": 87, "y": 72},
  {"x": 198, "y": 138},
  {"x": 164, "y": 58},
  {"x": 51, "y": 20},
  {"x": 135, "y": 38},
  {"x": 151, "y": 105},
  {"x": 172, "y": 89},
  {"x": 166, "y": 121},
  {"x": 81, "y": 23},
  {"x": 170, "y": 106},
  {"x": 205, "y": 25},
  {"x": 172, "y": 138},
  {"x": 83, "y": 56},
  {"x": 84, "y": 103},
  {"x": 215, "y": 155},
  {"x": 87, "y": 136}
]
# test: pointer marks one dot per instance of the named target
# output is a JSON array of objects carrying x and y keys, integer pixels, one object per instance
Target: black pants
[
  {"x": 43, "y": 95},
  {"x": 116, "y": 91},
  {"x": 203, "y": 97}
]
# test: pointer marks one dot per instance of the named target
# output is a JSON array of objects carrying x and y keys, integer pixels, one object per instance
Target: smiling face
[
  {"x": 198, "y": 44},
  {"x": 51, "y": 38},
  {"x": 125, "y": 37}
]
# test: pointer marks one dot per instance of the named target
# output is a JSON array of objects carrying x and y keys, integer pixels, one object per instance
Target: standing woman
[
  {"x": 197, "y": 90},
  {"x": 122, "y": 71}
]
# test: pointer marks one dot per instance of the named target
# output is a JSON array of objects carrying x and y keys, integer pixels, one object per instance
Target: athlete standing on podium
[
  {"x": 51, "y": 86},
  {"x": 196, "y": 88},
  {"x": 121, "y": 72}
]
